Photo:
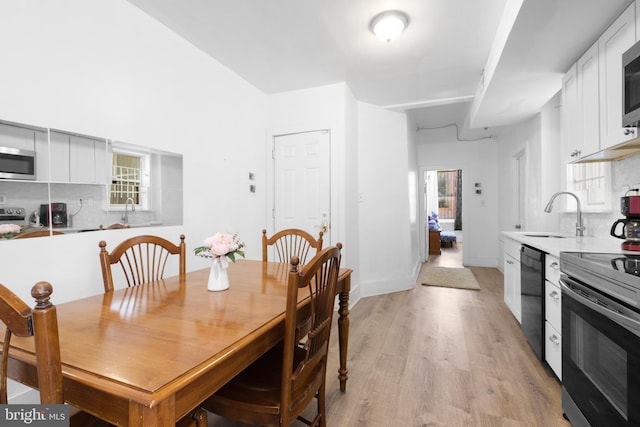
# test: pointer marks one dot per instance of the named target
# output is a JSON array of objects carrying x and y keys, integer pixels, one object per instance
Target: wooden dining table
[{"x": 148, "y": 355}]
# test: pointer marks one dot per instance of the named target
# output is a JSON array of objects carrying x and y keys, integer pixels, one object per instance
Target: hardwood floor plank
[{"x": 435, "y": 356}]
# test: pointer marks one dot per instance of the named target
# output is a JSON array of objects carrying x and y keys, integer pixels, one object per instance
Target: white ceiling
[{"x": 433, "y": 69}]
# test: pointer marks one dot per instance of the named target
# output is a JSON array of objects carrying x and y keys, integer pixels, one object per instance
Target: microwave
[
  {"x": 17, "y": 163},
  {"x": 631, "y": 86}
]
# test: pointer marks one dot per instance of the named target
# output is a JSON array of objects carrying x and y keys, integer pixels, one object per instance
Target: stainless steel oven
[{"x": 600, "y": 339}]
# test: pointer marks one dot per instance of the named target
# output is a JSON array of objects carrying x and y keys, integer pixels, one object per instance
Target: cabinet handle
[
  {"x": 555, "y": 265},
  {"x": 554, "y": 339},
  {"x": 629, "y": 131},
  {"x": 554, "y": 295},
  {"x": 509, "y": 262}
]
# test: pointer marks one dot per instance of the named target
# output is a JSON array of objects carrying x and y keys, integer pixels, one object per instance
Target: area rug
[{"x": 448, "y": 277}]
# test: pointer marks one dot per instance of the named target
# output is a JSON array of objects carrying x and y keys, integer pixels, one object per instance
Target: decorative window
[{"x": 129, "y": 178}]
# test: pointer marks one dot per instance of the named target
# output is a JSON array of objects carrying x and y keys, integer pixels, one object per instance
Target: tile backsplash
[
  {"x": 624, "y": 174},
  {"x": 92, "y": 213}
]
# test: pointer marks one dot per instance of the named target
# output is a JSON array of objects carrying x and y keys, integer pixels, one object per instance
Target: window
[
  {"x": 447, "y": 189},
  {"x": 129, "y": 178},
  {"x": 591, "y": 182}
]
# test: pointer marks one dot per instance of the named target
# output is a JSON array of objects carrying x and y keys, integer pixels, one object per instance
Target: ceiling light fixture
[{"x": 387, "y": 26}]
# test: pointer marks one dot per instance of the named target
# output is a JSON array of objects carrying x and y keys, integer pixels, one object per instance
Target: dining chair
[
  {"x": 289, "y": 242},
  {"x": 277, "y": 388},
  {"x": 142, "y": 258},
  {"x": 41, "y": 323},
  {"x": 38, "y": 233}
]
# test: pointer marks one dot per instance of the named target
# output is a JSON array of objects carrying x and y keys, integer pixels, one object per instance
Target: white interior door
[{"x": 302, "y": 187}]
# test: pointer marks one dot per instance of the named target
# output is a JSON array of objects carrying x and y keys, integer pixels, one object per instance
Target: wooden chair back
[
  {"x": 278, "y": 387},
  {"x": 40, "y": 323},
  {"x": 304, "y": 361},
  {"x": 38, "y": 233},
  {"x": 291, "y": 242},
  {"x": 143, "y": 259}
]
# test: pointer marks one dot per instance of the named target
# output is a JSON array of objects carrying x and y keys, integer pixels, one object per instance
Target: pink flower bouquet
[
  {"x": 8, "y": 231},
  {"x": 225, "y": 246}
]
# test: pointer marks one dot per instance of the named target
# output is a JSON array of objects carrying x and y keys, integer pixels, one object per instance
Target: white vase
[{"x": 218, "y": 278}]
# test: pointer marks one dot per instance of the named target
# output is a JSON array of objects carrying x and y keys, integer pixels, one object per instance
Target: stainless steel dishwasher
[{"x": 532, "y": 297}]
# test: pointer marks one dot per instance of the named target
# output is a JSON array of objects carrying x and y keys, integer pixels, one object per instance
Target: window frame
[{"x": 144, "y": 183}]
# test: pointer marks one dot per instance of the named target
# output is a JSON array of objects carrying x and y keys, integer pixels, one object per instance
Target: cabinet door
[
  {"x": 512, "y": 286},
  {"x": 82, "y": 160},
  {"x": 16, "y": 137},
  {"x": 588, "y": 102},
  {"x": 619, "y": 37},
  {"x": 553, "y": 349},
  {"x": 42, "y": 156},
  {"x": 59, "y": 157},
  {"x": 570, "y": 124}
]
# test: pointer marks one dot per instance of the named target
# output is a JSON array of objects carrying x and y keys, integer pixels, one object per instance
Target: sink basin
[{"x": 553, "y": 236}]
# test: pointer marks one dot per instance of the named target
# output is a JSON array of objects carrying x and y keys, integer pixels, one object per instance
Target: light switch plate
[{"x": 3, "y": 199}]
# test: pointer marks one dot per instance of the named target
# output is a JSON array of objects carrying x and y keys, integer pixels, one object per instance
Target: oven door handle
[{"x": 627, "y": 322}]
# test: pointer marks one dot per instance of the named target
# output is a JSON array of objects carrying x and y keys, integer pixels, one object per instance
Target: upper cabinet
[
  {"x": 18, "y": 137},
  {"x": 592, "y": 93},
  {"x": 75, "y": 158},
  {"x": 588, "y": 102},
  {"x": 570, "y": 137},
  {"x": 619, "y": 37}
]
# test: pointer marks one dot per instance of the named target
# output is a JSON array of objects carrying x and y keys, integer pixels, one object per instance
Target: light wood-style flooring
[{"x": 439, "y": 357}]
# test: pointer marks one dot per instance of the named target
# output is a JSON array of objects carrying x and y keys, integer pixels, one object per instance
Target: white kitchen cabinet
[
  {"x": 619, "y": 37},
  {"x": 512, "y": 277},
  {"x": 77, "y": 159},
  {"x": 553, "y": 315},
  {"x": 553, "y": 349},
  {"x": 59, "y": 157},
  {"x": 588, "y": 79},
  {"x": 42, "y": 156},
  {"x": 570, "y": 121},
  {"x": 16, "y": 137}
]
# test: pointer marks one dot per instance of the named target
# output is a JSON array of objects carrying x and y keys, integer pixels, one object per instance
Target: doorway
[
  {"x": 443, "y": 212},
  {"x": 302, "y": 184}
]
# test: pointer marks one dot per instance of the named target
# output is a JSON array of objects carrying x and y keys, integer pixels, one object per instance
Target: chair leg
[{"x": 322, "y": 413}]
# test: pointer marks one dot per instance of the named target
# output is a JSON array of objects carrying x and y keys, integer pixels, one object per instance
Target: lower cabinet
[
  {"x": 512, "y": 277},
  {"x": 553, "y": 349},
  {"x": 553, "y": 315}
]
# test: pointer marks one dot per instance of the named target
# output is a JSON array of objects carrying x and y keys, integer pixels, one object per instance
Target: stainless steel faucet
[
  {"x": 579, "y": 227},
  {"x": 125, "y": 217}
]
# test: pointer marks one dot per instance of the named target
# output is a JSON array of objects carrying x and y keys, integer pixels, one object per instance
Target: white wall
[
  {"x": 386, "y": 248},
  {"x": 105, "y": 68},
  {"x": 440, "y": 149}
]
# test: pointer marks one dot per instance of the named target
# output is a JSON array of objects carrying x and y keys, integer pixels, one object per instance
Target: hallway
[{"x": 449, "y": 257}]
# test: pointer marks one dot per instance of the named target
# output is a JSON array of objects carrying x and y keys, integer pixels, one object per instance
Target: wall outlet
[{"x": 3, "y": 199}]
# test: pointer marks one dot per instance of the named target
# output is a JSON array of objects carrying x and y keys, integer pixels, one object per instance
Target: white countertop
[{"x": 567, "y": 243}]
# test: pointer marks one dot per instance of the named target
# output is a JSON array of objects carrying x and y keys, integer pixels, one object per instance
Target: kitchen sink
[{"x": 553, "y": 236}]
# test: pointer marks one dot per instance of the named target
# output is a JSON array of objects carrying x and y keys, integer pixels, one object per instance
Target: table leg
[{"x": 343, "y": 332}]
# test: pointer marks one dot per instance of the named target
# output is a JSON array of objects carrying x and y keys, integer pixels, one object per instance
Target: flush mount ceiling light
[{"x": 387, "y": 26}]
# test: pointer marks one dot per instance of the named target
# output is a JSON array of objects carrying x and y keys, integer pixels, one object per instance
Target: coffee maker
[
  {"x": 630, "y": 208},
  {"x": 58, "y": 215}
]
